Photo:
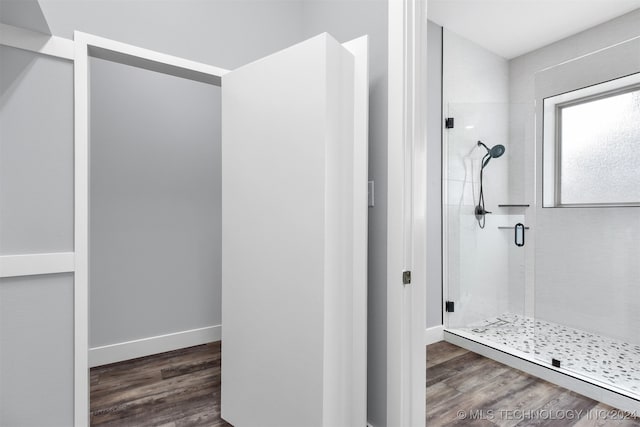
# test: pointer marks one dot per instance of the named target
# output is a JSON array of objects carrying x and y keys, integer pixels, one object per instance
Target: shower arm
[{"x": 484, "y": 145}]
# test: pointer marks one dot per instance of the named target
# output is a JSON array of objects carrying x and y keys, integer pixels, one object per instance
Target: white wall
[
  {"x": 585, "y": 261},
  {"x": 475, "y": 93}
]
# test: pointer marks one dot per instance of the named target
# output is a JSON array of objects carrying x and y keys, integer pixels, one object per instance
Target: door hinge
[
  {"x": 449, "y": 306},
  {"x": 406, "y": 277},
  {"x": 448, "y": 123}
]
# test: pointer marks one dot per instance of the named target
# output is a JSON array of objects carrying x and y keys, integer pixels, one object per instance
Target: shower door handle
[{"x": 518, "y": 234}]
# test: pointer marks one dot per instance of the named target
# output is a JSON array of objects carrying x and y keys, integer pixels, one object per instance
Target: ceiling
[{"x": 511, "y": 28}]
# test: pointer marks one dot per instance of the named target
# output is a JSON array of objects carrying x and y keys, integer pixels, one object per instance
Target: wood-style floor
[
  {"x": 466, "y": 389},
  {"x": 182, "y": 388},
  {"x": 177, "y": 388}
]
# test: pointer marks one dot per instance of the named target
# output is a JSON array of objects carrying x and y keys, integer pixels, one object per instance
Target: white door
[{"x": 294, "y": 220}]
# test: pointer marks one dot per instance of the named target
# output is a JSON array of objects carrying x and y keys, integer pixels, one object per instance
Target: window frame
[{"x": 552, "y": 138}]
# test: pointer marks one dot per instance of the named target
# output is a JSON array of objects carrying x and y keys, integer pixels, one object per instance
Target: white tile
[{"x": 604, "y": 359}]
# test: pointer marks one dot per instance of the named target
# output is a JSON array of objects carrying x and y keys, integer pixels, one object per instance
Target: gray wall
[
  {"x": 230, "y": 33},
  {"x": 36, "y": 351},
  {"x": 582, "y": 256},
  {"x": 36, "y": 161},
  {"x": 434, "y": 175},
  {"x": 24, "y": 14},
  {"x": 36, "y": 215},
  {"x": 222, "y": 33},
  {"x": 347, "y": 20},
  {"x": 155, "y": 204},
  {"x": 225, "y": 33},
  {"x": 125, "y": 250}
]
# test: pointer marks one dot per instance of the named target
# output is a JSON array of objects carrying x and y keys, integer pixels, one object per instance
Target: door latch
[{"x": 406, "y": 277}]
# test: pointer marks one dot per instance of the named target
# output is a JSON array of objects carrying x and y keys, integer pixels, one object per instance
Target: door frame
[
  {"x": 87, "y": 45},
  {"x": 406, "y": 220}
]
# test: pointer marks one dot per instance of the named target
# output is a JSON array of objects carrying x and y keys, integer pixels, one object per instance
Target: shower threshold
[{"x": 591, "y": 359}]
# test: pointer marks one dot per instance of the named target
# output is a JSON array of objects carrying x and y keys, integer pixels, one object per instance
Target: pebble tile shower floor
[{"x": 603, "y": 359}]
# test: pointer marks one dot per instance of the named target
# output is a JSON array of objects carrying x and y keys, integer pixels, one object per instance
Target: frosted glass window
[{"x": 599, "y": 150}]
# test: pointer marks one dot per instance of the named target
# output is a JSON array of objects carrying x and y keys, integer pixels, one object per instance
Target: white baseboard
[
  {"x": 434, "y": 334},
  {"x": 147, "y": 346}
]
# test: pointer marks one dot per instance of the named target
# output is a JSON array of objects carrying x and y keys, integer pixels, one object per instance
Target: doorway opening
[{"x": 147, "y": 206}]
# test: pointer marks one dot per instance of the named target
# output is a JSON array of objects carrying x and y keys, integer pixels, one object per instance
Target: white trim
[
  {"x": 433, "y": 335},
  {"x": 547, "y": 373},
  {"x": 36, "y": 42},
  {"x": 397, "y": 345},
  {"x": 118, "y": 352},
  {"x": 550, "y": 132},
  {"x": 445, "y": 200},
  {"x": 88, "y": 45},
  {"x": 360, "y": 50},
  {"x": 122, "y": 53},
  {"x": 595, "y": 52},
  {"x": 549, "y": 166},
  {"x": 406, "y": 215},
  {"x": 417, "y": 111},
  {"x": 81, "y": 232},
  {"x": 32, "y": 264}
]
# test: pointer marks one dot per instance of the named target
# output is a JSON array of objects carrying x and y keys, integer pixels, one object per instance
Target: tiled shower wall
[{"x": 585, "y": 260}]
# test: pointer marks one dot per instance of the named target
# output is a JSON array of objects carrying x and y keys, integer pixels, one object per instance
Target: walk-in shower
[{"x": 565, "y": 301}]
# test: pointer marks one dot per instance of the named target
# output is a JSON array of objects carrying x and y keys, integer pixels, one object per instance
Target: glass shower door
[{"x": 484, "y": 269}]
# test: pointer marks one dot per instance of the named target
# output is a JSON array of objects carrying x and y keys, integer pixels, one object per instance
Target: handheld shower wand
[{"x": 492, "y": 153}]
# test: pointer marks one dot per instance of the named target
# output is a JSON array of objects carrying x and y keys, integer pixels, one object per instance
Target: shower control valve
[{"x": 480, "y": 211}]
